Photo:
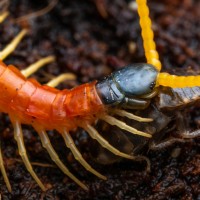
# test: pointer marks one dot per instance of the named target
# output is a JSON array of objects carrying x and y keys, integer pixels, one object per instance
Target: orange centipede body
[
  {"x": 45, "y": 108},
  {"x": 48, "y": 108},
  {"x": 41, "y": 105}
]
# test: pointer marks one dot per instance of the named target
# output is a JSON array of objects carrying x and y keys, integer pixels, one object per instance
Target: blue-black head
[{"x": 135, "y": 79}]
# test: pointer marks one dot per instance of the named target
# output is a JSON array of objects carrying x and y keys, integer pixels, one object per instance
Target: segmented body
[
  {"x": 45, "y": 108},
  {"x": 40, "y": 105}
]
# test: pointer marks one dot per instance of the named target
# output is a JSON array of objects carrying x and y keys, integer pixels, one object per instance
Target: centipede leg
[
  {"x": 129, "y": 115},
  {"x": 59, "y": 79},
  {"x": 37, "y": 65},
  {"x": 104, "y": 143},
  {"x": 113, "y": 121},
  {"x": 12, "y": 45},
  {"x": 70, "y": 144},
  {"x": 95, "y": 135},
  {"x": 3, "y": 171},
  {"x": 54, "y": 156},
  {"x": 22, "y": 152},
  {"x": 40, "y": 63},
  {"x": 4, "y": 16}
]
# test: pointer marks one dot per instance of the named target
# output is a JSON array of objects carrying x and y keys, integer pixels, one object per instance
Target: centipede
[{"x": 46, "y": 108}]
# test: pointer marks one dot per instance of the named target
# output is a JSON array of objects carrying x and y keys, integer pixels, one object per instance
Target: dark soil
[{"x": 91, "y": 38}]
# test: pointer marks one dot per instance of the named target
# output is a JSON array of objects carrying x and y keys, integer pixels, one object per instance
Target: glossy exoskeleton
[{"x": 128, "y": 86}]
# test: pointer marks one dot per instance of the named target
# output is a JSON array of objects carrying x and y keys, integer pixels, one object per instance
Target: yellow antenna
[
  {"x": 174, "y": 81},
  {"x": 152, "y": 56},
  {"x": 147, "y": 35}
]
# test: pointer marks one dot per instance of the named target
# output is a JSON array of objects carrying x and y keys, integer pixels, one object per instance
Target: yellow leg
[
  {"x": 95, "y": 135},
  {"x": 104, "y": 143},
  {"x": 129, "y": 115},
  {"x": 3, "y": 16},
  {"x": 3, "y": 171},
  {"x": 147, "y": 35},
  {"x": 113, "y": 121},
  {"x": 70, "y": 144},
  {"x": 13, "y": 44},
  {"x": 56, "y": 81},
  {"x": 37, "y": 65},
  {"x": 54, "y": 156},
  {"x": 22, "y": 152}
]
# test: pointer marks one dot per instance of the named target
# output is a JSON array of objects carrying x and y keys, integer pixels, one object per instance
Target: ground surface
[{"x": 91, "y": 38}]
